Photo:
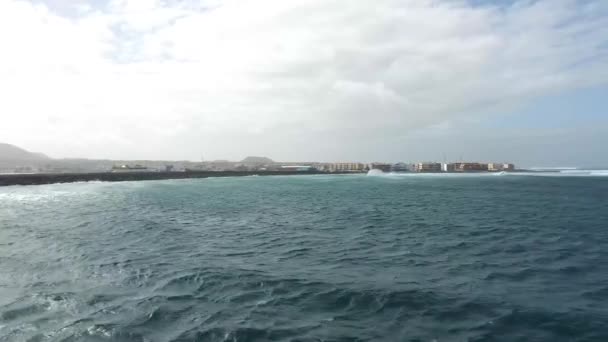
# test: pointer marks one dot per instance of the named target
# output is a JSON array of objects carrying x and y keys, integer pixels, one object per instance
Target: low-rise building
[
  {"x": 470, "y": 167},
  {"x": 130, "y": 168},
  {"x": 384, "y": 167},
  {"x": 400, "y": 167},
  {"x": 427, "y": 167},
  {"x": 299, "y": 168},
  {"x": 500, "y": 167},
  {"x": 495, "y": 166},
  {"x": 345, "y": 167},
  {"x": 447, "y": 167}
]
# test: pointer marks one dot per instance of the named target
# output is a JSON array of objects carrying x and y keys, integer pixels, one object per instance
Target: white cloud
[{"x": 156, "y": 79}]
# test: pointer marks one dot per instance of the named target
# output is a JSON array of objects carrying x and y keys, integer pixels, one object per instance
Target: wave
[
  {"x": 552, "y": 168},
  {"x": 375, "y": 173},
  {"x": 318, "y": 257},
  {"x": 559, "y": 173},
  {"x": 556, "y": 173},
  {"x": 430, "y": 174},
  {"x": 585, "y": 172},
  {"x": 544, "y": 325}
]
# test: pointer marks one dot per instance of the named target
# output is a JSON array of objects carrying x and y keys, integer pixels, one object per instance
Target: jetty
[{"x": 50, "y": 178}]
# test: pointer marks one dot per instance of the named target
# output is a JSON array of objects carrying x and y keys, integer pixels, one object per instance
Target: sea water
[{"x": 307, "y": 258}]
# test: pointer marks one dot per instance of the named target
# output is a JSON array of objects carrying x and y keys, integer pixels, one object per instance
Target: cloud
[{"x": 160, "y": 79}]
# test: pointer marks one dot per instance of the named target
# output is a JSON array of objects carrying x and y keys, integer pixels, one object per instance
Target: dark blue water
[{"x": 310, "y": 258}]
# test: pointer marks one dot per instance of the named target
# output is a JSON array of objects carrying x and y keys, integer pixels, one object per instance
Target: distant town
[{"x": 16, "y": 160}]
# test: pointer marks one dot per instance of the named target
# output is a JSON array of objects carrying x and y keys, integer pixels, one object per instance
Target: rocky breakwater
[{"x": 50, "y": 178}]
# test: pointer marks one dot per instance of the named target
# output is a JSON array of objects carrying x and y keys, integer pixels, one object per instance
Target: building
[
  {"x": 130, "y": 168},
  {"x": 345, "y": 167},
  {"x": 470, "y": 167},
  {"x": 501, "y": 167},
  {"x": 299, "y": 168},
  {"x": 400, "y": 167},
  {"x": 494, "y": 166},
  {"x": 427, "y": 167},
  {"x": 381, "y": 166},
  {"x": 447, "y": 167}
]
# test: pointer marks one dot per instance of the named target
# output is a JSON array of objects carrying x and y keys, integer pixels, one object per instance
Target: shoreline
[
  {"x": 10, "y": 179},
  {"x": 53, "y": 178}
]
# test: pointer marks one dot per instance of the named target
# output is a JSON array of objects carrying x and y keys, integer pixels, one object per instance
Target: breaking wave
[{"x": 561, "y": 173}]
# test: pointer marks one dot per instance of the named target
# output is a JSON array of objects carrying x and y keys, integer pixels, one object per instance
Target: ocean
[{"x": 478, "y": 257}]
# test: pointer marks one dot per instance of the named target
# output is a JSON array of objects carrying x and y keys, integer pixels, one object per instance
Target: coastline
[
  {"x": 52, "y": 178},
  {"x": 9, "y": 179}
]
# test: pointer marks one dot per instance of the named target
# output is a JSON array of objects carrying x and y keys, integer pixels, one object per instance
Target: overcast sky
[{"x": 299, "y": 80}]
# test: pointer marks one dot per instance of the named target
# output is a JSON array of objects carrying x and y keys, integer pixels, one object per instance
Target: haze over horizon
[{"x": 311, "y": 80}]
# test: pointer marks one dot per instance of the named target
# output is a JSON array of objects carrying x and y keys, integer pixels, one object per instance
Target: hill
[
  {"x": 12, "y": 152},
  {"x": 257, "y": 160}
]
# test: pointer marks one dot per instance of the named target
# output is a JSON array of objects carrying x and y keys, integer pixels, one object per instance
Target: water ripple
[{"x": 345, "y": 258}]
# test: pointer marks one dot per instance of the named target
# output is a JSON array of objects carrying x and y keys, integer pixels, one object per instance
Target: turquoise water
[{"x": 307, "y": 258}]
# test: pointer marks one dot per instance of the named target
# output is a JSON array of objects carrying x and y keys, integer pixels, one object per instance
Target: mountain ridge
[
  {"x": 257, "y": 160},
  {"x": 12, "y": 152}
]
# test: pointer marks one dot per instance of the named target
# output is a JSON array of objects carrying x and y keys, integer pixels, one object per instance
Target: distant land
[
  {"x": 12, "y": 152},
  {"x": 14, "y": 159},
  {"x": 257, "y": 160}
]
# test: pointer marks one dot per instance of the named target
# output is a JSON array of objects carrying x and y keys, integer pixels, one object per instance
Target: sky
[{"x": 307, "y": 80}]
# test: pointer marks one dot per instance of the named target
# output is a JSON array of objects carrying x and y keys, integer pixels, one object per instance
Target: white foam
[
  {"x": 584, "y": 172},
  {"x": 547, "y": 173},
  {"x": 552, "y": 168},
  {"x": 375, "y": 172},
  {"x": 562, "y": 173}
]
